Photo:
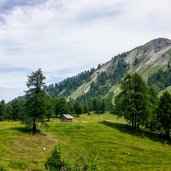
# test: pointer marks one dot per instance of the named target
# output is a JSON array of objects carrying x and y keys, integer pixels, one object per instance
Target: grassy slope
[
  {"x": 105, "y": 135},
  {"x": 20, "y": 150}
]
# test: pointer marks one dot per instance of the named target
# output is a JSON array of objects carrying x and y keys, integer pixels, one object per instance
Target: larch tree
[
  {"x": 35, "y": 100},
  {"x": 133, "y": 102}
]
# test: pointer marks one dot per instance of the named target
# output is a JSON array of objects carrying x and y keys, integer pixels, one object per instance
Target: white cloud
[{"x": 60, "y": 35}]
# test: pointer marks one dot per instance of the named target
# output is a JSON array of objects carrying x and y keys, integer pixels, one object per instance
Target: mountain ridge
[{"x": 146, "y": 60}]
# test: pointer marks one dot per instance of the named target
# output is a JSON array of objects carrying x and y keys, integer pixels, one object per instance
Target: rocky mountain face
[
  {"x": 150, "y": 57},
  {"x": 146, "y": 60}
]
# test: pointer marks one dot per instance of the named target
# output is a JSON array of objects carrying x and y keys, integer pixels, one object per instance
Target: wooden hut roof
[{"x": 68, "y": 116}]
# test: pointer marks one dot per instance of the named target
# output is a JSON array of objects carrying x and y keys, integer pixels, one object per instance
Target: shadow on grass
[
  {"x": 139, "y": 132},
  {"x": 22, "y": 129},
  {"x": 27, "y": 130}
]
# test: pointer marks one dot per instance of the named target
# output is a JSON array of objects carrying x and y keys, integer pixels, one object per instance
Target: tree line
[
  {"x": 138, "y": 103},
  {"x": 16, "y": 109},
  {"x": 38, "y": 106}
]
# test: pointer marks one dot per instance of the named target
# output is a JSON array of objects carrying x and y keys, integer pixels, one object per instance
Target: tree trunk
[
  {"x": 34, "y": 129},
  {"x": 138, "y": 123},
  {"x": 132, "y": 119},
  {"x": 135, "y": 122},
  {"x": 168, "y": 134}
]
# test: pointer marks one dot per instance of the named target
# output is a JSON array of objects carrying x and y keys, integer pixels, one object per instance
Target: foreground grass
[
  {"x": 19, "y": 150},
  {"x": 104, "y": 136}
]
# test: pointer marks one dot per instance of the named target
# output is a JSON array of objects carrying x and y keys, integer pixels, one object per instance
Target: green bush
[
  {"x": 2, "y": 168},
  {"x": 56, "y": 163}
]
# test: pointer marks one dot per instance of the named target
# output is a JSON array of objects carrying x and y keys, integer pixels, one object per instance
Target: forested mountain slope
[{"x": 146, "y": 60}]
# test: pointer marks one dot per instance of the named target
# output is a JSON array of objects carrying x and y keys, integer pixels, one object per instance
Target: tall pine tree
[{"x": 35, "y": 100}]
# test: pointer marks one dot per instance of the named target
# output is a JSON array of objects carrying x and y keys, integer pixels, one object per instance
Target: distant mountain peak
[{"x": 159, "y": 43}]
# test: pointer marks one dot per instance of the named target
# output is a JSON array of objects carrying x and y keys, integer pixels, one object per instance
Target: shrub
[
  {"x": 55, "y": 162},
  {"x": 2, "y": 168}
]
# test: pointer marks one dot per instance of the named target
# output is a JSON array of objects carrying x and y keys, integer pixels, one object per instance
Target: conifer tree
[
  {"x": 164, "y": 114},
  {"x": 35, "y": 100},
  {"x": 2, "y": 110},
  {"x": 133, "y": 101},
  {"x": 61, "y": 106},
  {"x": 152, "y": 122}
]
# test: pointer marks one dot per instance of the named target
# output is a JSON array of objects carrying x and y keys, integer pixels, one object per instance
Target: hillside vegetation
[
  {"x": 105, "y": 136},
  {"x": 145, "y": 60}
]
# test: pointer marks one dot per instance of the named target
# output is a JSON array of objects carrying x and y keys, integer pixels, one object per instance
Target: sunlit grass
[
  {"x": 103, "y": 135},
  {"x": 20, "y": 150}
]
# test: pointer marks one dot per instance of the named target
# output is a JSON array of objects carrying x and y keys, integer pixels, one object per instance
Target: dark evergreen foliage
[
  {"x": 35, "y": 100},
  {"x": 61, "y": 106},
  {"x": 12, "y": 110},
  {"x": 17, "y": 109},
  {"x": 152, "y": 122},
  {"x": 69, "y": 84},
  {"x": 136, "y": 61},
  {"x": 133, "y": 101},
  {"x": 164, "y": 114},
  {"x": 50, "y": 107},
  {"x": 2, "y": 110},
  {"x": 9, "y": 111},
  {"x": 161, "y": 79},
  {"x": 78, "y": 108},
  {"x": 55, "y": 161}
]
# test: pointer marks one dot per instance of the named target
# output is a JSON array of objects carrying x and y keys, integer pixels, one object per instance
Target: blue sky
[{"x": 64, "y": 37}]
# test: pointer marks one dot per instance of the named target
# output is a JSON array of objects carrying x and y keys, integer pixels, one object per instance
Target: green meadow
[{"x": 104, "y": 137}]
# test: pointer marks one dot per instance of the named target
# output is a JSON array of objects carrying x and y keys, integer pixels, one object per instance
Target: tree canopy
[
  {"x": 35, "y": 100},
  {"x": 164, "y": 114},
  {"x": 133, "y": 100}
]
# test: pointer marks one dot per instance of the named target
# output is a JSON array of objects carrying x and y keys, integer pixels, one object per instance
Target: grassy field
[{"x": 110, "y": 138}]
